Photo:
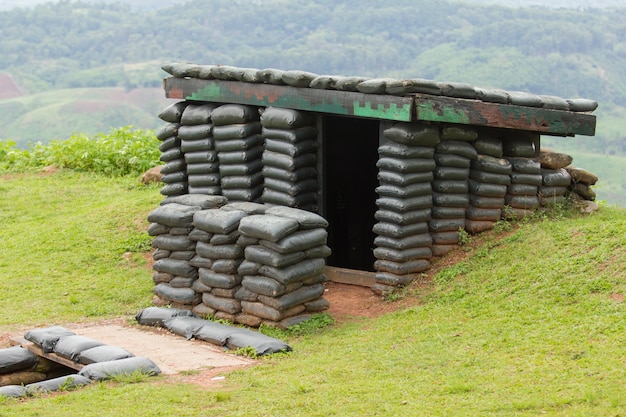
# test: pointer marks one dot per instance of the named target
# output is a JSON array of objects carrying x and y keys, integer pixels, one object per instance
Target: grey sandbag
[
  {"x": 110, "y": 369},
  {"x": 244, "y": 194},
  {"x": 349, "y": 83},
  {"x": 491, "y": 95},
  {"x": 457, "y": 148},
  {"x": 174, "y": 166},
  {"x": 464, "y": 134},
  {"x": 226, "y": 266},
  {"x": 291, "y": 149},
  {"x": 213, "y": 332},
  {"x": 398, "y": 231},
  {"x": 483, "y": 214},
  {"x": 450, "y": 186},
  {"x": 302, "y": 201},
  {"x": 287, "y": 175},
  {"x": 413, "y": 85},
  {"x": 486, "y": 145},
  {"x": 174, "y": 177},
  {"x": 244, "y": 168},
  {"x": 525, "y": 165},
  {"x": 170, "y": 143},
  {"x": 439, "y": 213},
  {"x": 171, "y": 154},
  {"x": 218, "y": 280},
  {"x": 267, "y": 227},
  {"x": 173, "y": 112},
  {"x": 248, "y": 268},
  {"x": 261, "y": 285},
  {"x": 490, "y": 177},
  {"x": 402, "y": 205},
  {"x": 405, "y": 218},
  {"x": 411, "y": 190},
  {"x": 236, "y": 131},
  {"x": 13, "y": 391},
  {"x": 103, "y": 354},
  {"x": 393, "y": 280},
  {"x": 218, "y": 221},
  {"x": 173, "y": 214},
  {"x": 290, "y": 188},
  {"x": 402, "y": 268},
  {"x": 242, "y": 144},
  {"x": 451, "y": 160},
  {"x": 522, "y": 189},
  {"x": 451, "y": 173},
  {"x": 402, "y": 255},
  {"x": 70, "y": 347},
  {"x": 446, "y": 225},
  {"x": 408, "y": 242},
  {"x": 209, "y": 183},
  {"x": 487, "y": 190},
  {"x": 199, "y": 145},
  {"x": 305, "y": 219},
  {"x": 298, "y": 241},
  {"x": 490, "y": 164},
  {"x": 279, "y": 160},
  {"x": 456, "y": 89},
  {"x": 279, "y": 118},
  {"x": 246, "y": 206},
  {"x": 396, "y": 178},
  {"x": 224, "y": 239},
  {"x": 195, "y": 132},
  {"x": 522, "y": 201},
  {"x": 297, "y": 78},
  {"x": 294, "y": 298},
  {"x": 203, "y": 157},
  {"x": 47, "y": 338},
  {"x": 374, "y": 85},
  {"x": 552, "y": 191},
  {"x": 413, "y": 134},
  {"x": 582, "y": 105},
  {"x": 229, "y": 114},
  {"x": 236, "y": 157},
  {"x": 206, "y": 250},
  {"x": 518, "y": 147},
  {"x": 522, "y": 98},
  {"x": 173, "y": 243},
  {"x": 262, "y": 344},
  {"x": 184, "y": 326},
  {"x": 529, "y": 179},
  {"x": 406, "y": 165},
  {"x": 16, "y": 358},
  {"x": 195, "y": 200},
  {"x": 487, "y": 202},
  {"x": 177, "y": 267},
  {"x": 197, "y": 114},
  {"x": 445, "y": 238},
  {"x": 301, "y": 271},
  {"x": 271, "y": 76},
  {"x": 292, "y": 135},
  {"x": 324, "y": 82},
  {"x": 177, "y": 295},
  {"x": 556, "y": 177},
  {"x": 178, "y": 188},
  {"x": 266, "y": 256},
  {"x": 156, "y": 316},
  {"x": 227, "y": 305},
  {"x": 398, "y": 150},
  {"x": 241, "y": 181},
  {"x": 55, "y": 384},
  {"x": 167, "y": 131}
]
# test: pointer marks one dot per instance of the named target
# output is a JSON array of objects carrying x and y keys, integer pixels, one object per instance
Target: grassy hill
[{"x": 528, "y": 322}]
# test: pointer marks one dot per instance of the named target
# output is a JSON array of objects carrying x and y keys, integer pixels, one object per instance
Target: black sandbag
[
  {"x": 224, "y": 239},
  {"x": 399, "y": 231},
  {"x": 177, "y": 188},
  {"x": 456, "y": 148},
  {"x": 446, "y": 225},
  {"x": 450, "y": 200},
  {"x": 241, "y": 181},
  {"x": 236, "y": 157},
  {"x": 16, "y": 358},
  {"x": 214, "y": 279},
  {"x": 173, "y": 215},
  {"x": 244, "y": 294},
  {"x": 262, "y": 285},
  {"x": 487, "y": 202},
  {"x": 552, "y": 201},
  {"x": 490, "y": 164},
  {"x": 227, "y": 305},
  {"x": 525, "y": 165},
  {"x": 185, "y": 296},
  {"x": 267, "y": 227},
  {"x": 298, "y": 78},
  {"x": 305, "y": 219},
  {"x": 402, "y": 268},
  {"x": 292, "y": 189},
  {"x": 213, "y": 332},
  {"x": 167, "y": 131},
  {"x": 244, "y": 194},
  {"x": 184, "y": 326},
  {"x": 522, "y": 201},
  {"x": 556, "y": 178},
  {"x": 530, "y": 179},
  {"x": 475, "y": 213},
  {"x": 393, "y": 280},
  {"x": 173, "y": 243},
  {"x": 156, "y": 229},
  {"x": 205, "y": 145},
  {"x": 292, "y": 135},
  {"x": 405, "y": 218},
  {"x": 301, "y": 271},
  {"x": 195, "y": 132},
  {"x": 522, "y": 189},
  {"x": 450, "y": 186},
  {"x": 102, "y": 354},
  {"x": 47, "y": 338},
  {"x": 402, "y": 255},
  {"x": 408, "y": 191},
  {"x": 451, "y": 173},
  {"x": 229, "y": 114},
  {"x": 182, "y": 282},
  {"x": 478, "y": 226},
  {"x": 291, "y": 149},
  {"x": 459, "y": 133},
  {"x": 55, "y": 384},
  {"x": 218, "y": 221},
  {"x": 262, "y": 344},
  {"x": 280, "y": 118},
  {"x": 170, "y": 143},
  {"x": 398, "y": 150},
  {"x": 236, "y": 131},
  {"x": 408, "y": 242},
  {"x": 403, "y": 205},
  {"x": 403, "y": 180},
  {"x": 111, "y": 369},
  {"x": 298, "y": 241},
  {"x": 451, "y": 160},
  {"x": 209, "y": 251},
  {"x": 173, "y": 112},
  {"x": 175, "y": 267},
  {"x": 552, "y": 191},
  {"x": 406, "y": 166},
  {"x": 241, "y": 169},
  {"x": 490, "y": 177},
  {"x": 225, "y": 266},
  {"x": 70, "y": 347},
  {"x": 171, "y": 154},
  {"x": 156, "y": 316},
  {"x": 486, "y": 145},
  {"x": 413, "y": 134},
  {"x": 279, "y": 160},
  {"x": 13, "y": 391},
  {"x": 266, "y": 256},
  {"x": 294, "y": 298},
  {"x": 197, "y": 114},
  {"x": 241, "y": 144},
  {"x": 518, "y": 147},
  {"x": 445, "y": 238},
  {"x": 174, "y": 166},
  {"x": 205, "y": 181},
  {"x": 439, "y": 212},
  {"x": 487, "y": 190},
  {"x": 287, "y": 175},
  {"x": 175, "y": 177}
]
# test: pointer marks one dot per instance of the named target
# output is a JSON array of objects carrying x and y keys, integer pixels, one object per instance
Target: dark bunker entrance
[{"x": 350, "y": 153}]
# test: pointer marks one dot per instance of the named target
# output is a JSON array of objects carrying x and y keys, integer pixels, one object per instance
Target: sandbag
[
  {"x": 475, "y": 213},
  {"x": 111, "y": 369},
  {"x": 224, "y": 239},
  {"x": 522, "y": 202},
  {"x": 70, "y": 347},
  {"x": 290, "y": 188},
  {"x": 173, "y": 112},
  {"x": 301, "y": 271},
  {"x": 261, "y": 285},
  {"x": 241, "y": 181},
  {"x": 229, "y": 114},
  {"x": 478, "y": 226},
  {"x": 243, "y": 194},
  {"x": 556, "y": 178},
  {"x": 227, "y": 305},
  {"x": 398, "y": 150},
  {"x": 445, "y": 238},
  {"x": 457, "y": 148},
  {"x": 413, "y": 134},
  {"x": 518, "y": 147},
  {"x": 204, "y": 181},
  {"x": 402, "y": 268},
  {"x": 529, "y": 179},
  {"x": 281, "y": 118},
  {"x": 298, "y": 241},
  {"x": 167, "y": 131},
  {"x": 173, "y": 214},
  {"x": 301, "y": 174},
  {"x": 403, "y": 179},
  {"x": 440, "y": 212},
  {"x": 267, "y": 227},
  {"x": 412, "y": 85},
  {"x": 487, "y": 190},
  {"x": 399, "y": 231},
  {"x": 237, "y": 157},
  {"x": 173, "y": 166},
  {"x": 411, "y": 190},
  {"x": 298, "y": 78},
  {"x": 174, "y": 177},
  {"x": 525, "y": 165},
  {"x": 170, "y": 143},
  {"x": 348, "y": 83},
  {"x": 394, "y": 280},
  {"x": 451, "y": 160},
  {"x": 403, "y": 205},
  {"x": 490, "y": 164},
  {"x": 213, "y": 332},
  {"x": 522, "y": 189},
  {"x": 55, "y": 384},
  {"x": 552, "y": 191},
  {"x": 451, "y": 173},
  {"x": 279, "y": 160},
  {"x": 175, "y": 267},
  {"x": 266, "y": 256},
  {"x": 47, "y": 338},
  {"x": 184, "y": 326},
  {"x": 13, "y": 391},
  {"x": 262, "y": 344},
  {"x": 16, "y": 358},
  {"x": 402, "y": 255},
  {"x": 294, "y": 298},
  {"x": 205, "y": 145},
  {"x": 450, "y": 186},
  {"x": 292, "y": 150},
  {"x": 487, "y": 202},
  {"x": 456, "y": 89},
  {"x": 218, "y": 280},
  {"x": 414, "y": 241},
  {"x": 458, "y": 133},
  {"x": 405, "y": 218},
  {"x": 292, "y": 135},
  {"x": 197, "y": 114},
  {"x": 224, "y": 134},
  {"x": 486, "y": 145},
  {"x": 446, "y": 225},
  {"x": 183, "y": 296},
  {"x": 195, "y": 132},
  {"x": 218, "y": 221},
  {"x": 450, "y": 200},
  {"x": 171, "y": 154},
  {"x": 103, "y": 354},
  {"x": 156, "y": 316},
  {"x": 374, "y": 85},
  {"x": 490, "y": 177},
  {"x": 491, "y": 95},
  {"x": 173, "y": 243},
  {"x": 178, "y": 188},
  {"x": 406, "y": 166}
]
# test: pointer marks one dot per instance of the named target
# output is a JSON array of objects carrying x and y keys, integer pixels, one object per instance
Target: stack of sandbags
[
  {"x": 198, "y": 146},
  {"x": 453, "y": 155},
  {"x": 489, "y": 180},
  {"x": 554, "y": 187},
  {"x": 239, "y": 145},
  {"x": 290, "y": 158},
  {"x": 174, "y": 171},
  {"x": 582, "y": 180},
  {"x": 218, "y": 258},
  {"x": 405, "y": 172},
  {"x": 283, "y": 271},
  {"x": 522, "y": 199},
  {"x": 171, "y": 225}
]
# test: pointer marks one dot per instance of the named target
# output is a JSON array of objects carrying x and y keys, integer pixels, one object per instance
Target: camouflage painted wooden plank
[
  {"x": 479, "y": 113},
  {"x": 309, "y": 99}
]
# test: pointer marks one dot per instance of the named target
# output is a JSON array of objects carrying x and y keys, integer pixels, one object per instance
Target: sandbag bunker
[{"x": 390, "y": 171}]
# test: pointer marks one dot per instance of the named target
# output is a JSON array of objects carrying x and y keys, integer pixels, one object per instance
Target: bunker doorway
[{"x": 350, "y": 153}]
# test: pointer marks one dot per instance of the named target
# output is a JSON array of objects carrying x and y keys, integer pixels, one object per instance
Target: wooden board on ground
[
  {"x": 20, "y": 341},
  {"x": 350, "y": 276}
]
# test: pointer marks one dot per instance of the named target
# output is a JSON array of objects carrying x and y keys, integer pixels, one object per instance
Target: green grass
[{"x": 532, "y": 323}]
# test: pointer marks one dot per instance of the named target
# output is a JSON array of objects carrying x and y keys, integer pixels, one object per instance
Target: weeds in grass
[
  {"x": 396, "y": 294},
  {"x": 314, "y": 325},
  {"x": 464, "y": 237},
  {"x": 131, "y": 378},
  {"x": 247, "y": 351}
]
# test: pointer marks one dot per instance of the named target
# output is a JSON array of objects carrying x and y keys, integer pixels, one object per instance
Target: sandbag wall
[{"x": 251, "y": 263}]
